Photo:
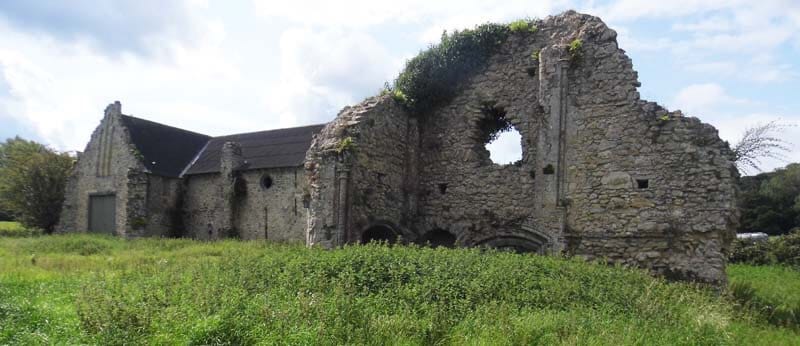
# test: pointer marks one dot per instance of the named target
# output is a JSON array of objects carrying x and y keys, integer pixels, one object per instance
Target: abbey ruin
[{"x": 603, "y": 175}]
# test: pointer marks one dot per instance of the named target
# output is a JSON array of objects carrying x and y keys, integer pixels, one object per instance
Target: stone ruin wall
[
  {"x": 590, "y": 146},
  {"x": 379, "y": 189}
]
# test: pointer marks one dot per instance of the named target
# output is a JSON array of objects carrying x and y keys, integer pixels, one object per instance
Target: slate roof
[
  {"x": 166, "y": 150},
  {"x": 264, "y": 149}
]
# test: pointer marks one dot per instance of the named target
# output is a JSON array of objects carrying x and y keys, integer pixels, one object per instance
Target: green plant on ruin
[
  {"x": 433, "y": 77},
  {"x": 536, "y": 55},
  {"x": 138, "y": 223},
  {"x": 574, "y": 49},
  {"x": 494, "y": 123},
  {"x": 399, "y": 97},
  {"x": 522, "y": 25},
  {"x": 396, "y": 95},
  {"x": 345, "y": 145},
  {"x": 137, "y": 154},
  {"x": 664, "y": 117}
]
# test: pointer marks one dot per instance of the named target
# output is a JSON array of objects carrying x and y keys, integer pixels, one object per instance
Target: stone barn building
[
  {"x": 140, "y": 178},
  {"x": 603, "y": 175}
]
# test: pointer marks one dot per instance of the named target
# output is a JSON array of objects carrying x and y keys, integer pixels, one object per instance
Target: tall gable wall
[
  {"x": 603, "y": 174},
  {"x": 104, "y": 168}
]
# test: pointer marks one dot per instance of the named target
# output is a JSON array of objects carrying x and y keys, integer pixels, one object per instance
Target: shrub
[
  {"x": 745, "y": 251},
  {"x": 522, "y": 25},
  {"x": 15, "y": 229},
  {"x": 784, "y": 250},
  {"x": 575, "y": 48},
  {"x": 432, "y": 77}
]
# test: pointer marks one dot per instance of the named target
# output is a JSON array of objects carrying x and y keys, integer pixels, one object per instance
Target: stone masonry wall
[
  {"x": 603, "y": 174},
  {"x": 103, "y": 168},
  {"x": 276, "y": 213},
  {"x": 373, "y": 182},
  {"x": 164, "y": 198}
]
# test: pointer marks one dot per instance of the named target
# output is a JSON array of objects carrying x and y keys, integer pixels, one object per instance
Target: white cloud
[
  {"x": 713, "y": 104},
  {"x": 762, "y": 68},
  {"x": 701, "y": 99},
  {"x": 61, "y": 88},
  {"x": 507, "y": 148},
  {"x": 625, "y": 10},
  {"x": 112, "y": 27},
  {"x": 434, "y": 16},
  {"x": 324, "y": 70},
  {"x": 712, "y": 24}
]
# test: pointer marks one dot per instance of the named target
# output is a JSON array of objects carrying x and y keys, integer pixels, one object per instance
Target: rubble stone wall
[
  {"x": 603, "y": 173},
  {"x": 276, "y": 213},
  {"x": 378, "y": 188}
]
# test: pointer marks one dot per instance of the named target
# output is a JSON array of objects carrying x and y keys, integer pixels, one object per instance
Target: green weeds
[{"x": 84, "y": 289}]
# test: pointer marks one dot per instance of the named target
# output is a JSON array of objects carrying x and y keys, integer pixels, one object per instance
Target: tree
[
  {"x": 760, "y": 142},
  {"x": 32, "y": 182},
  {"x": 770, "y": 202}
]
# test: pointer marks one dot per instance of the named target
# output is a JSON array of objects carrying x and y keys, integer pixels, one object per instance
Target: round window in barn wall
[{"x": 266, "y": 181}]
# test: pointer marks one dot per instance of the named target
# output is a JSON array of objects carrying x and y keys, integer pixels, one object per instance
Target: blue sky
[{"x": 221, "y": 67}]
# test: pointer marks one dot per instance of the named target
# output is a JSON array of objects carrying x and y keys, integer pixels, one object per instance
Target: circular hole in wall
[
  {"x": 499, "y": 136},
  {"x": 506, "y": 148},
  {"x": 266, "y": 181}
]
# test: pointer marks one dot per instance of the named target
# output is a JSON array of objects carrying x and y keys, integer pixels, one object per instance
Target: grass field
[
  {"x": 82, "y": 289},
  {"x": 773, "y": 292}
]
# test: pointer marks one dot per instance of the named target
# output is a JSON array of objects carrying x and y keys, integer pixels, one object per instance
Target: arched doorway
[
  {"x": 437, "y": 238},
  {"x": 515, "y": 244},
  {"x": 379, "y": 233}
]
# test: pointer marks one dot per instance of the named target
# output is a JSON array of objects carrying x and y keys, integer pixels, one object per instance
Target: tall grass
[
  {"x": 771, "y": 292},
  {"x": 103, "y": 290}
]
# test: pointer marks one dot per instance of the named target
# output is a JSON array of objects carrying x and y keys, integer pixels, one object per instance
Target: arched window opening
[
  {"x": 379, "y": 233},
  {"x": 439, "y": 237},
  {"x": 515, "y": 244}
]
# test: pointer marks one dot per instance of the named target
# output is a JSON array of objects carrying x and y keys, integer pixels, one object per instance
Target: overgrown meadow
[{"x": 83, "y": 289}]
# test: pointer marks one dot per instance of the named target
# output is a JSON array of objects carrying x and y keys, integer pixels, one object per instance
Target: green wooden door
[{"x": 102, "y": 214}]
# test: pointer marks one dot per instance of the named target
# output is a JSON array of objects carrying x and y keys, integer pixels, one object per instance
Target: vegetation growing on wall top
[
  {"x": 346, "y": 144},
  {"x": 494, "y": 123},
  {"x": 432, "y": 77},
  {"x": 522, "y": 25}
]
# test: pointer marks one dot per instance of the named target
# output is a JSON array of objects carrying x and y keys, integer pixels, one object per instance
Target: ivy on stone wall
[
  {"x": 432, "y": 77},
  {"x": 494, "y": 123}
]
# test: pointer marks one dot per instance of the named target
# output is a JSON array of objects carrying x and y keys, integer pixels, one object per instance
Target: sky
[{"x": 223, "y": 67}]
